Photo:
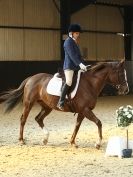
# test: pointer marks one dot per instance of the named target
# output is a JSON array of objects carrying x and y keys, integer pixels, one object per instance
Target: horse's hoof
[
  {"x": 97, "y": 146},
  {"x": 21, "y": 142},
  {"x": 45, "y": 141},
  {"x": 74, "y": 145}
]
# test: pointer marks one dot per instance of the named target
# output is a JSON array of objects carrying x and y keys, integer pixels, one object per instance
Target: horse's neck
[{"x": 98, "y": 80}]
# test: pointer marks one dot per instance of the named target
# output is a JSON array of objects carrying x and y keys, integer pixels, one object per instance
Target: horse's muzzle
[
  {"x": 123, "y": 90},
  {"x": 127, "y": 91}
]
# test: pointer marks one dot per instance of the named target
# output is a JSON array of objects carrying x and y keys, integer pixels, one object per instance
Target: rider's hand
[{"x": 83, "y": 67}]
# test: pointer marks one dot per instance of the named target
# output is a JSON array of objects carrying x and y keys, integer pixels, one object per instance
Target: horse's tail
[{"x": 12, "y": 97}]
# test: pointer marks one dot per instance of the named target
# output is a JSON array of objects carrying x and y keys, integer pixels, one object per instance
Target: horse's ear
[{"x": 122, "y": 63}]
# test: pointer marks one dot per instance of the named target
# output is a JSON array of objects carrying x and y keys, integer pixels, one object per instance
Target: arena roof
[{"x": 116, "y": 2}]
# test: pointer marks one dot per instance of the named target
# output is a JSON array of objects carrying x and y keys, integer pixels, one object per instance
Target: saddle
[{"x": 55, "y": 84}]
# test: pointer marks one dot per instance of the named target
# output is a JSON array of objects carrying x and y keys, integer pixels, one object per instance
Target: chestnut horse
[{"x": 33, "y": 89}]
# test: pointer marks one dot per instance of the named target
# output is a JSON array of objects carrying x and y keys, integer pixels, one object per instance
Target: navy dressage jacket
[{"x": 72, "y": 55}]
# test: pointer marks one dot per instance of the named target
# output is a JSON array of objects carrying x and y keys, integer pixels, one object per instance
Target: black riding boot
[{"x": 60, "y": 104}]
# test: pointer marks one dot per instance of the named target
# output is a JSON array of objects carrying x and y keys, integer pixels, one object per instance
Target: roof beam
[{"x": 76, "y": 5}]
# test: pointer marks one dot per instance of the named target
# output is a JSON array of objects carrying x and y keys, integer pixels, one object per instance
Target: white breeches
[{"x": 69, "y": 76}]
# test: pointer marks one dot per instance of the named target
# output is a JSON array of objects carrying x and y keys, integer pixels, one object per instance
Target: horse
[{"x": 33, "y": 90}]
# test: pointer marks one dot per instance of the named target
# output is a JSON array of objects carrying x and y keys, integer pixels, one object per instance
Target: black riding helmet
[{"x": 74, "y": 28}]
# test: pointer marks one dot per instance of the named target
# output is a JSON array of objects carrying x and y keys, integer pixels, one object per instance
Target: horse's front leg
[
  {"x": 91, "y": 116},
  {"x": 78, "y": 123}
]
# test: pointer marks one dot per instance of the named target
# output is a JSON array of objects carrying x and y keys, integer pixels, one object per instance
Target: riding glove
[{"x": 83, "y": 67}]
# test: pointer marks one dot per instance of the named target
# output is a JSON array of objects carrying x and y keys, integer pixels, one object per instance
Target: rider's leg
[{"x": 66, "y": 86}]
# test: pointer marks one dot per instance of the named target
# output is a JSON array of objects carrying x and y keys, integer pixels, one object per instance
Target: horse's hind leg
[
  {"x": 78, "y": 123},
  {"x": 39, "y": 118},
  {"x": 26, "y": 110}
]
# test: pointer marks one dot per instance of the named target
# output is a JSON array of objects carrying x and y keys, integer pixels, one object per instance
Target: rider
[{"x": 73, "y": 60}]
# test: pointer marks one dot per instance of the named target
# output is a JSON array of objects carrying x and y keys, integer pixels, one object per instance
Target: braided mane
[{"x": 98, "y": 66}]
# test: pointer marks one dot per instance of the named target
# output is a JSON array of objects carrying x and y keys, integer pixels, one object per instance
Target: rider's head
[{"x": 74, "y": 30}]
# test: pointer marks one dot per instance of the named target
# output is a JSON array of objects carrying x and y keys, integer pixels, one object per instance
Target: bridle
[{"x": 120, "y": 80}]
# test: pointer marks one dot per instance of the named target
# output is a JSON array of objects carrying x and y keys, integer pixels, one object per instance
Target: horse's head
[{"x": 118, "y": 78}]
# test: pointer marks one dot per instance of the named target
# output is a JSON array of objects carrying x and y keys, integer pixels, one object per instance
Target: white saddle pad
[{"x": 55, "y": 84}]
